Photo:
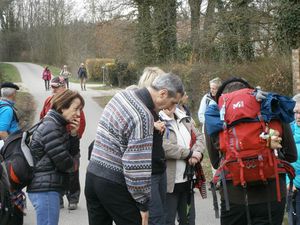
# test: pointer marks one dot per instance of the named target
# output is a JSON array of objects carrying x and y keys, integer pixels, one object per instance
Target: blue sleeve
[
  {"x": 293, "y": 127},
  {"x": 6, "y": 115}
]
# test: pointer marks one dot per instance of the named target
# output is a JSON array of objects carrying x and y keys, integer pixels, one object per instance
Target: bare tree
[{"x": 195, "y": 7}]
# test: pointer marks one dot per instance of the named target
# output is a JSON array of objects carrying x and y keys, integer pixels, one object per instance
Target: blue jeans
[
  {"x": 46, "y": 205},
  {"x": 157, "y": 205}
]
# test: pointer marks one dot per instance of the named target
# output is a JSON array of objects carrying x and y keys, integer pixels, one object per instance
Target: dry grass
[{"x": 26, "y": 109}]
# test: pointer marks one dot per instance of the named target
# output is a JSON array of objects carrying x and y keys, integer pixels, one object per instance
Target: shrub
[
  {"x": 122, "y": 74},
  {"x": 272, "y": 74},
  {"x": 94, "y": 67}
]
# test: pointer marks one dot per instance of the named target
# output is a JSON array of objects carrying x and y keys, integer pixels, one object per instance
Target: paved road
[{"x": 31, "y": 77}]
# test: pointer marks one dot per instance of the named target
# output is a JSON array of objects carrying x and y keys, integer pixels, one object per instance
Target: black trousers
[
  {"x": 47, "y": 84},
  {"x": 177, "y": 203},
  {"x": 73, "y": 192},
  {"x": 260, "y": 214},
  {"x": 67, "y": 82},
  {"x": 17, "y": 218},
  {"x": 108, "y": 201}
]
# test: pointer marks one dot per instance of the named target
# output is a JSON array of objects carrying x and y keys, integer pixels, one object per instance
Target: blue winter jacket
[{"x": 296, "y": 133}]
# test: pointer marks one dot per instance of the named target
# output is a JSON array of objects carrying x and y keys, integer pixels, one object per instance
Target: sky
[{"x": 80, "y": 11}]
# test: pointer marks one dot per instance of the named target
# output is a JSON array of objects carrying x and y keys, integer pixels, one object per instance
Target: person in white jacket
[
  {"x": 208, "y": 98},
  {"x": 180, "y": 150}
]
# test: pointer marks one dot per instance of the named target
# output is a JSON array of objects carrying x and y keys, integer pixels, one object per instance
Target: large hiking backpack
[
  {"x": 244, "y": 142},
  {"x": 18, "y": 159}
]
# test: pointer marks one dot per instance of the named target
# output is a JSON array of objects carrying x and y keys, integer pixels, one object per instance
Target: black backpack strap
[
  {"x": 34, "y": 127},
  {"x": 14, "y": 110},
  {"x": 208, "y": 99},
  {"x": 229, "y": 81}
]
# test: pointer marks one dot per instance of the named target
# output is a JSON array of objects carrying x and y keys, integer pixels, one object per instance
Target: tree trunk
[
  {"x": 165, "y": 28},
  {"x": 244, "y": 33},
  {"x": 195, "y": 6},
  {"x": 209, "y": 32},
  {"x": 145, "y": 50}
]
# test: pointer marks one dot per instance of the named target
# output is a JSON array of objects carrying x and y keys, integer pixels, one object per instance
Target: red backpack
[{"x": 244, "y": 142}]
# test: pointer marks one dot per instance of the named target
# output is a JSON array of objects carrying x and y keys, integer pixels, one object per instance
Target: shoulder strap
[
  {"x": 232, "y": 80},
  {"x": 13, "y": 108},
  {"x": 25, "y": 140},
  {"x": 34, "y": 127},
  {"x": 208, "y": 99}
]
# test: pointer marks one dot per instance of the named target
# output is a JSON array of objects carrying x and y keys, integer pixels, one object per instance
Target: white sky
[{"x": 80, "y": 11}]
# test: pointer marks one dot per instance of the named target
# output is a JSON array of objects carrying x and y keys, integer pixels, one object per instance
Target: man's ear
[{"x": 163, "y": 93}]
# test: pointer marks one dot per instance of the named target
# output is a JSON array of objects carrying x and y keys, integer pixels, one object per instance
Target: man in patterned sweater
[{"x": 119, "y": 173}]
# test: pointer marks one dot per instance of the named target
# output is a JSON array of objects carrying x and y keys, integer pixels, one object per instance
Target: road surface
[{"x": 32, "y": 81}]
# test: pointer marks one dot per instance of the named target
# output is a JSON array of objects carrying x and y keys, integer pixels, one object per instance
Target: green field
[{"x": 9, "y": 73}]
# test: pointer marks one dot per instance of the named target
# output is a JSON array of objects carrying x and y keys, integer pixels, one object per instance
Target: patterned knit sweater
[{"x": 123, "y": 144}]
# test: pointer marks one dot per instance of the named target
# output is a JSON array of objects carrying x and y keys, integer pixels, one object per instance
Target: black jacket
[
  {"x": 52, "y": 149},
  {"x": 258, "y": 193}
]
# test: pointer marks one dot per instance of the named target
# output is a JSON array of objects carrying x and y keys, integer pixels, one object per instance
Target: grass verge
[
  {"x": 101, "y": 88},
  {"x": 25, "y": 101},
  {"x": 9, "y": 73},
  {"x": 103, "y": 100}
]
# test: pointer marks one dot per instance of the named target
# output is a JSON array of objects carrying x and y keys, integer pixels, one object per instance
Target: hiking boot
[{"x": 72, "y": 206}]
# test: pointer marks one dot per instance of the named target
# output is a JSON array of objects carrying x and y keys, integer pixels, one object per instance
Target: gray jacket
[{"x": 175, "y": 152}]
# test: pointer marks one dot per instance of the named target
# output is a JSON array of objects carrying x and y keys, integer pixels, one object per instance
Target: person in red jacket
[
  {"x": 47, "y": 77},
  {"x": 58, "y": 85}
]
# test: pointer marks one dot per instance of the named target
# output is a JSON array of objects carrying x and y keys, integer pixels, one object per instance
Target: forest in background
[{"x": 198, "y": 39}]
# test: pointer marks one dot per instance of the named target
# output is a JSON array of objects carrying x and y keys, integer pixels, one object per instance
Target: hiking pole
[
  {"x": 225, "y": 192},
  {"x": 189, "y": 173},
  {"x": 215, "y": 199}
]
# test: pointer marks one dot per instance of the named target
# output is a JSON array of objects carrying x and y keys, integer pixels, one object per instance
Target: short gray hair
[
  {"x": 169, "y": 81},
  {"x": 148, "y": 76},
  {"x": 7, "y": 92}
]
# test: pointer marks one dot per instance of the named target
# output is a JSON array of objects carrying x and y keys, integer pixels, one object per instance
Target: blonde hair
[
  {"x": 296, "y": 98},
  {"x": 148, "y": 76},
  {"x": 216, "y": 81}
]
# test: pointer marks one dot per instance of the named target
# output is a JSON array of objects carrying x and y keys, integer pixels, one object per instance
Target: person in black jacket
[
  {"x": 82, "y": 75},
  {"x": 53, "y": 150},
  {"x": 254, "y": 204}
]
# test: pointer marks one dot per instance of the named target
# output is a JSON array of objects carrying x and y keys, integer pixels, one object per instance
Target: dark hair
[
  {"x": 232, "y": 84},
  {"x": 64, "y": 99}
]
